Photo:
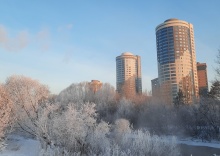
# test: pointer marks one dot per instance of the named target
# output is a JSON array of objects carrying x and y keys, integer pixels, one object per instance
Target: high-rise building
[
  {"x": 128, "y": 74},
  {"x": 176, "y": 58},
  {"x": 202, "y": 78},
  {"x": 155, "y": 87}
]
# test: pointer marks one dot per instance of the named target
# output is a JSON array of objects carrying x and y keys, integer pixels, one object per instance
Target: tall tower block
[
  {"x": 128, "y": 74},
  {"x": 176, "y": 58}
]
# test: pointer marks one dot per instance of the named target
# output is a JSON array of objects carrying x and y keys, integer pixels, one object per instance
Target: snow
[
  {"x": 20, "y": 146},
  {"x": 193, "y": 142},
  {"x": 197, "y": 142}
]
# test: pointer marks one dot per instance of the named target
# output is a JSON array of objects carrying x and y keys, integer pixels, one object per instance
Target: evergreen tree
[
  {"x": 215, "y": 90},
  {"x": 218, "y": 64},
  {"x": 180, "y": 99}
]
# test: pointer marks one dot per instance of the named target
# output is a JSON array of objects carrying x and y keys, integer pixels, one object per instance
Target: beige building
[
  {"x": 128, "y": 74},
  {"x": 176, "y": 58},
  {"x": 202, "y": 78},
  {"x": 95, "y": 85}
]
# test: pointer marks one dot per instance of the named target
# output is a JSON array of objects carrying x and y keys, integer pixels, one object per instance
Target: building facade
[
  {"x": 176, "y": 59},
  {"x": 155, "y": 87},
  {"x": 202, "y": 78},
  {"x": 128, "y": 74},
  {"x": 95, "y": 85}
]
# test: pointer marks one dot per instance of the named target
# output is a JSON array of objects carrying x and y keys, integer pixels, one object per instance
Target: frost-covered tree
[
  {"x": 26, "y": 95},
  {"x": 125, "y": 109},
  {"x": 122, "y": 126},
  {"x": 69, "y": 124},
  {"x": 81, "y": 93},
  {"x": 5, "y": 114},
  {"x": 106, "y": 103},
  {"x": 5, "y": 111},
  {"x": 76, "y": 93},
  {"x": 105, "y": 96}
]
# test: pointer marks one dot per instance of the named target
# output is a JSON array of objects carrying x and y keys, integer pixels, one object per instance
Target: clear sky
[{"x": 63, "y": 42}]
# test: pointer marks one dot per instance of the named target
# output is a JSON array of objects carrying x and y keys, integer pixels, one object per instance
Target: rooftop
[
  {"x": 126, "y": 53},
  {"x": 171, "y": 19}
]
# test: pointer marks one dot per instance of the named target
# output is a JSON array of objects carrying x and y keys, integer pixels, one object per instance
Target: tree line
[{"x": 79, "y": 121}]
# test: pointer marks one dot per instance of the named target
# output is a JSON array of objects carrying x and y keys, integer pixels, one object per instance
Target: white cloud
[
  {"x": 14, "y": 44},
  {"x": 43, "y": 39},
  {"x": 67, "y": 57},
  {"x": 3, "y": 35},
  {"x": 65, "y": 28},
  {"x": 22, "y": 39},
  {"x": 69, "y": 26}
]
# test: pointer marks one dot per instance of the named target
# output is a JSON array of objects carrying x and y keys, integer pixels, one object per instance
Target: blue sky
[{"x": 64, "y": 42}]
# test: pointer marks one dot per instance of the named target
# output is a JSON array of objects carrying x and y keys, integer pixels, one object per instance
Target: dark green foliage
[
  {"x": 215, "y": 90},
  {"x": 218, "y": 64},
  {"x": 180, "y": 99}
]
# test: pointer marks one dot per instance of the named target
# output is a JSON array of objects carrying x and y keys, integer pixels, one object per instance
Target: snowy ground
[
  {"x": 21, "y": 146},
  {"x": 196, "y": 142}
]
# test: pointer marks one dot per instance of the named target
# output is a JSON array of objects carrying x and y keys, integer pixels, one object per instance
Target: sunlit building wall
[
  {"x": 128, "y": 74},
  {"x": 176, "y": 59},
  {"x": 95, "y": 85},
  {"x": 202, "y": 78}
]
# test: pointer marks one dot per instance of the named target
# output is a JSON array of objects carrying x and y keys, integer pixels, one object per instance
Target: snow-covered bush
[
  {"x": 138, "y": 142},
  {"x": 77, "y": 132},
  {"x": 143, "y": 143}
]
